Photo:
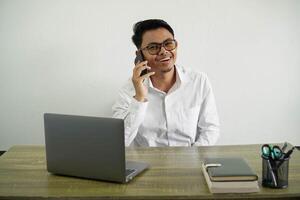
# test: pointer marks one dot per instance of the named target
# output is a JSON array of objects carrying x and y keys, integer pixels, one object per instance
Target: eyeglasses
[{"x": 154, "y": 48}]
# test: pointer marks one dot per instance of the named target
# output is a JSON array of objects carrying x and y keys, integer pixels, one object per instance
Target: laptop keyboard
[{"x": 129, "y": 171}]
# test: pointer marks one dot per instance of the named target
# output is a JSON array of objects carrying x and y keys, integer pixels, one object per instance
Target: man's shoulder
[{"x": 192, "y": 74}]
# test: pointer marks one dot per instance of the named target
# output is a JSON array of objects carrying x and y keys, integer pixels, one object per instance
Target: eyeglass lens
[{"x": 169, "y": 45}]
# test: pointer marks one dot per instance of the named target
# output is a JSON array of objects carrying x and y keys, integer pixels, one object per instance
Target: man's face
[{"x": 164, "y": 60}]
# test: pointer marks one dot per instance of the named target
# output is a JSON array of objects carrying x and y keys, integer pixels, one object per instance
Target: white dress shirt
[{"x": 185, "y": 116}]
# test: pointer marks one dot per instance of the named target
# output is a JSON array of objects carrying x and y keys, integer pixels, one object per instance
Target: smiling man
[{"x": 169, "y": 105}]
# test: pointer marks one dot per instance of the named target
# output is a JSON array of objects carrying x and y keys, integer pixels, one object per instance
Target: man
[{"x": 170, "y": 105}]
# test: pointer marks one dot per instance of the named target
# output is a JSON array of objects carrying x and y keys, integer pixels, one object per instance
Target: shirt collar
[
  {"x": 180, "y": 78},
  {"x": 180, "y": 74}
]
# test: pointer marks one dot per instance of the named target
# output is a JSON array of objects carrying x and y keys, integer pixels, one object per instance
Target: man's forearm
[
  {"x": 207, "y": 137},
  {"x": 133, "y": 117}
]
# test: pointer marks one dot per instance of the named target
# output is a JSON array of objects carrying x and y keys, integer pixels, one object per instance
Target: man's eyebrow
[{"x": 161, "y": 42}]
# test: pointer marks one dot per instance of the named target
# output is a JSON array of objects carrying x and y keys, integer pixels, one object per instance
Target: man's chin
[{"x": 167, "y": 69}]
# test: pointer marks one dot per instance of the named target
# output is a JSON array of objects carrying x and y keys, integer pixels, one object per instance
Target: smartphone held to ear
[{"x": 140, "y": 57}]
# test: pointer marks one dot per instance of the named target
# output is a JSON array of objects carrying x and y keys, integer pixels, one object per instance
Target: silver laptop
[{"x": 88, "y": 147}]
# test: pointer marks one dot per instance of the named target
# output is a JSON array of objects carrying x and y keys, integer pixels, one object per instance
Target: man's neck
[{"x": 164, "y": 81}]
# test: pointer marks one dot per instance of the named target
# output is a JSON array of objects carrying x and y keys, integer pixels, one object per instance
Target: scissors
[{"x": 271, "y": 152}]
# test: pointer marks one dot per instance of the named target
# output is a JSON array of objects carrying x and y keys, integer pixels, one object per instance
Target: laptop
[{"x": 88, "y": 147}]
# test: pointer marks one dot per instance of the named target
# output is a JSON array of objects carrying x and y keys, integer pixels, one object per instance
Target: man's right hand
[{"x": 141, "y": 90}]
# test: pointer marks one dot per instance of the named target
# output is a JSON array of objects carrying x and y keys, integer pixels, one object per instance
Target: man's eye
[
  {"x": 169, "y": 43},
  {"x": 153, "y": 47}
]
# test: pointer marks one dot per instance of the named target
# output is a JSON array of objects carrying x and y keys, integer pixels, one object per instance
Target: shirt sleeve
[
  {"x": 132, "y": 111},
  {"x": 208, "y": 123}
]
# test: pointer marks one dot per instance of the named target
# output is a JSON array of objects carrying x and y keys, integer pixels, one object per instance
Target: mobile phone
[{"x": 140, "y": 57}]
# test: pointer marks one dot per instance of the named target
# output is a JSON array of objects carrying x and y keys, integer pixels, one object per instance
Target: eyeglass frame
[{"x": 161, "y": 45}]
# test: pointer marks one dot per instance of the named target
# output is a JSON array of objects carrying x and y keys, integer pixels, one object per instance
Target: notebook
[
  {"x": 239, "y": 178},
  {"x": 88, "y": 147},
  {"x": 229, "y": 169}
]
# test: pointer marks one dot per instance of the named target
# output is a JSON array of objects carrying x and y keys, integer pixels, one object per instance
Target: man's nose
[{"x": 162, "y": 50}]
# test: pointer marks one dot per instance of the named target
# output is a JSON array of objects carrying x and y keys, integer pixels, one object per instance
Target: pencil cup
[{"x": 275, "y": 173}]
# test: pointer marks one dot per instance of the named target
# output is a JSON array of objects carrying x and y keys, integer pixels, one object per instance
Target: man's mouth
[{"x": 166, "y": 59}]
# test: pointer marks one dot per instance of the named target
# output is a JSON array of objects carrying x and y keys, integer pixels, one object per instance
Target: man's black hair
[{"x": 151, "y": 24}]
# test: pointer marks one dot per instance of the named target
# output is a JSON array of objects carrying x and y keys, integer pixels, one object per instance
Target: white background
[{"x": 72, "y": 57}]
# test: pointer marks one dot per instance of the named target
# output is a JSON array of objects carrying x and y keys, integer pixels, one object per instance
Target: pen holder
[{"x": 275, "y": 173}]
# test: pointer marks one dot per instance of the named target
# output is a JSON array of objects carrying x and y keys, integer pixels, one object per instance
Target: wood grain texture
[{"x": 175, "y": 173}]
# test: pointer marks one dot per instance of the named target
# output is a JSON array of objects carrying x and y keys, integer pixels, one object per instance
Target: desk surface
[{"x": 174, "y": 174}]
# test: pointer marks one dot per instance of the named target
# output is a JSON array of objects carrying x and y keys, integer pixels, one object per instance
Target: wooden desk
[{"x": 174, "y": 174}]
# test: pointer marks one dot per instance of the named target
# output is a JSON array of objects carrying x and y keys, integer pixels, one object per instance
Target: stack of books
[{"x": 229, "y": 175}]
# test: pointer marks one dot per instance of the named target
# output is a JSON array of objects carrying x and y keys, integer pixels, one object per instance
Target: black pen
[{"x": 288, "y": 154}]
